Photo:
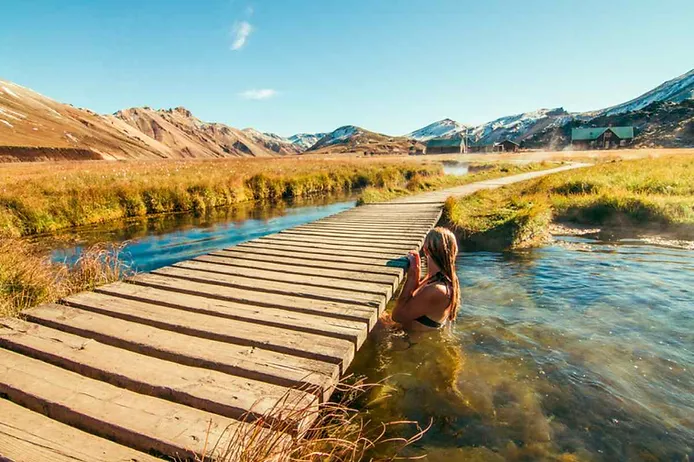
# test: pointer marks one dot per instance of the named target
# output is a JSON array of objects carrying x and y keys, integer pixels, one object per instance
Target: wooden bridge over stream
[{"x": 152, "y": 364}]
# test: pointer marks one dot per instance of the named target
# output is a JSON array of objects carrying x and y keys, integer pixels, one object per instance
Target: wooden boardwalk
[{"x": 152, "y": 364}]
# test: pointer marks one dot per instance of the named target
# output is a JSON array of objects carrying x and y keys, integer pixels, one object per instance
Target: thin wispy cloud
[
  {"x": 259, "y": 94},
  {"x": 242, "y": 30}
]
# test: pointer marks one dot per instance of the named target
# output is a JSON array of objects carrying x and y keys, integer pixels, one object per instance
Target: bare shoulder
[{"x": 435, "y": 293}]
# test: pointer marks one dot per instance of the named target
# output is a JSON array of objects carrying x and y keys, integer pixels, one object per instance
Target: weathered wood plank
[
  {"x": 27, "y": 436},
  {"x": 308, "y": 247},
  {"x": 288, "y": 268},
  {"x": 303, "y": 345},
  {"x": 203, "y": 389},
  {"x": 403, "y": 230},
  {"x": 244, "y": 361},
  {"x": 286, "y": 319},
  {"x": 339, "y": 310},
  {"x": 359, "y": 250},
  {"x": 316, "y": 280},
  {"x": 141, "y": 422},
  {"x": 347, "y": 244},
  {"x": 361, "y": 237},
  {"x": 393, "y": 263},
  {"x": 272, "y": 286}
]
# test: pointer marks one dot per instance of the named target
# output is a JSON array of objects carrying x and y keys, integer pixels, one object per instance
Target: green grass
[
  {"x": 633, "y": 195},
  {"x": 422, "y": 183},
  {"x": 40, "y": 198}
]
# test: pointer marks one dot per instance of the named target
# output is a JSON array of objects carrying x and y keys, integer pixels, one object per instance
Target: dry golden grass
[
  {"x": 28, "y": 278},
  {"x": 37, "y": 198},
  {"x": 333, "y": 432}
]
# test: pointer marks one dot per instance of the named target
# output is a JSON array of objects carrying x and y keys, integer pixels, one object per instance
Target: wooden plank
[
  {"x": 272, "y": 287},
  {"x": 394, "y": 263},
  {"x": 141, "y": 422},
  {"x": 291, "y": 269},
  {"x": 203, "y": 389},
  {"x": 316, "y": 280},
  {"x": 395, "y": 234},
  {"x": 27, "y": 436},
  {"x": 375, "y": 246},
  {"x": 303, "y": 345},
  {"x": 363, "y": 249},
  {"x": 360, "y": 237},
  {"x": 308, "y": 247},
  {"x": 345, "y": 271},
  {"x": 353, "y": 331},
  {"x": 339, "y": 310},
  {"x": 406, "y": 229},
  {"x": 243, "y": 361}
]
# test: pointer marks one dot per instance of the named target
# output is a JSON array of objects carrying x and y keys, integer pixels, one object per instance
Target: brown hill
[
  {"x": 356, "y": 140},
  {"x": 34, "y": 127}
]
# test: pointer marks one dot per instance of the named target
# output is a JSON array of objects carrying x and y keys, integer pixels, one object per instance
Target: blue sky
[{"x": 292, "y": 66}]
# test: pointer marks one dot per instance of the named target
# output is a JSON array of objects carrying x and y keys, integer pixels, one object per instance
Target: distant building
[
  {"x": 506, "y": 146},
  {"x": 445, "y": 146},
  {"x": 601, "y": 137}
]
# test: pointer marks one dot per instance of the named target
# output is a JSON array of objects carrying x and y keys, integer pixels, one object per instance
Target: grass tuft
[
  {"x": 28, "y": 278},
  {"x": 333, "y": 432},
  {"x": 635, "y": 194}
]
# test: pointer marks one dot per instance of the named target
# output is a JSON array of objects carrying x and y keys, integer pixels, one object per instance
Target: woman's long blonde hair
[{"x": 442, "y": 247}]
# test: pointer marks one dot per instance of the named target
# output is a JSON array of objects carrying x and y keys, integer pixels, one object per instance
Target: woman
[{"x": 432, "y": 302}]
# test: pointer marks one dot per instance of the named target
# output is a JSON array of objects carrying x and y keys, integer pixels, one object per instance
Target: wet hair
[{"x": 442, "y": 247}]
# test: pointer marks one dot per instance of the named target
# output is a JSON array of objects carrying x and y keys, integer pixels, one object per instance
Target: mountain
[
  {"x": 662, "y": 113},
  {"x": 34, "y": 127},
  {"x": 273, "y": 142},
  {"x": 445, "y": 128},
  {"x": 306, "y": 140},
  {"x": 352, "y": 139},
  {"x": 30, "y": 122},
  {"x": 673, "y": 91}
]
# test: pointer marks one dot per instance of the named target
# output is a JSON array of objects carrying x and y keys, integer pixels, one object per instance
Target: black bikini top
[{"x": 426, "y": 320}]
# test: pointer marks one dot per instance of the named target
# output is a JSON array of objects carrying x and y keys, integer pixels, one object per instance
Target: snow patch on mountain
[
  {"x": 674, "y": 91},
  {"x": 306, "y": 140},
  {"x": 340, "y": 135},
  {"x": 446, "y": 128},
  {"x": 519, "y": 126}
]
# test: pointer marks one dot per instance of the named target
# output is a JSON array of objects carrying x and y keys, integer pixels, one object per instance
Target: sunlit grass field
[
  {"x": 650, "y": 193},
  {"x": 39, "y": 198}
]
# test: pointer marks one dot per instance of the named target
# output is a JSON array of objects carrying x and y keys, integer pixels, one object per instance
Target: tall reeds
[{"x": 28, "y": 277}]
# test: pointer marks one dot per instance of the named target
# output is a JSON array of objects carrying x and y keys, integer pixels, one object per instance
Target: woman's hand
[{"x": 414, "y": 269}]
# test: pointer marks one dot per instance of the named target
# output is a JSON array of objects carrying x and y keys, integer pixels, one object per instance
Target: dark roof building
[
  {"x": 445, "y": 146},
  {"x": 506, "y": 146},
  {"x": 602, "y": 137}
]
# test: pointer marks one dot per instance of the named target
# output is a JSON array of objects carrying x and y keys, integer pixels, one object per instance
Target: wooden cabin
[
  {"x": 445, "y": 146},
  {"x": 506, "y": 146},
  {"x": 602, "y": 137}
]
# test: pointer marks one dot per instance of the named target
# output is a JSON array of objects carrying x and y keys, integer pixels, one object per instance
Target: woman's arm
[{"x": 411, "y": 284}]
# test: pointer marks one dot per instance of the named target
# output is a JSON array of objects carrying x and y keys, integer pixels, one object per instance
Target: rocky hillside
[
  {"x": 34, "y": 127},
  {"x": 352, "y": 139},
  {"x": 661, "y": 116},
  {"x": 661, "y": 124}
]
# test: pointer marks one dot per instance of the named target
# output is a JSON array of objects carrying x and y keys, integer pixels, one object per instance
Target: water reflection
[
  {"x": 579, "y": 352},
  {"x": 158, "y": 241}
]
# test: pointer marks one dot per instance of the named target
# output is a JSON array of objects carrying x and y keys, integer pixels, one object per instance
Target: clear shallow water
[
  {"x": 160, "y": 241},
  {"x": 579, "y": 351}
]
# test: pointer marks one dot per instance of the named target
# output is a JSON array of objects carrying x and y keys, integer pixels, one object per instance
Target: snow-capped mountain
[
  {"x": 674, "y": 91},
  {"x": 306, "y": 140},
  {"x": 340, "y": 135},
  {"x": 519, "y": 126},
  {"x": 445, "y": 128}
]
